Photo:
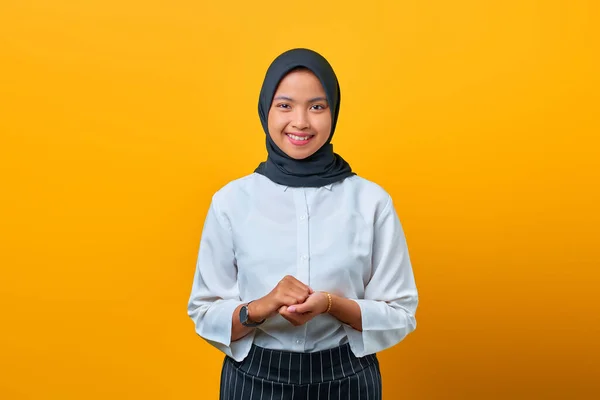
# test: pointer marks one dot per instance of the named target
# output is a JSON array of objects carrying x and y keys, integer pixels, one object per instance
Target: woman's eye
[
  {"x": 319, "y": 107},
  {"x": 285, "y": 106}
]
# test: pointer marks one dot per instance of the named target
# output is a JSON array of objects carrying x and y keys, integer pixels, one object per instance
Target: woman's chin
[{"x": 299, "y": 154}]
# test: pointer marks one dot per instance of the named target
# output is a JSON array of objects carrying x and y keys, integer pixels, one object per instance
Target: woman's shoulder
[
  {"x": 238, "y": 192},
  {"x": 370, "y": 198},
  {"x": 234, "y": 188},
  {"x": 367, "y": 189}
]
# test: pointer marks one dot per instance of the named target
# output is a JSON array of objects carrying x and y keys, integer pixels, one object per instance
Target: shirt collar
[{"x": 328, "y": 187}]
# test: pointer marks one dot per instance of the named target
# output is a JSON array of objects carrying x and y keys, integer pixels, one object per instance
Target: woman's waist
[{"x": 298, "y": 368}]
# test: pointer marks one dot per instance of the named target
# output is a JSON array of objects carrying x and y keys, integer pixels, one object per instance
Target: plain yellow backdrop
[{"x": 119, "y": 119}]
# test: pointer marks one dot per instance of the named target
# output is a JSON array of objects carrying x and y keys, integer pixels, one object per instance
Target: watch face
[
  {"x": 244, "y": 317},
  {"x": 244, "y": 314}
]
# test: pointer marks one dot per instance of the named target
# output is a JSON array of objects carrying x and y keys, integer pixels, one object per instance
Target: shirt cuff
[
  {"x": 382, "y": 328},
  {"x": 217, "y": 331}
]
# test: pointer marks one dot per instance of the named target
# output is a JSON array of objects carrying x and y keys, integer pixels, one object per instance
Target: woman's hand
[
  {"x": 289, "y": 291},
  {"x": 317, "y": 303}
]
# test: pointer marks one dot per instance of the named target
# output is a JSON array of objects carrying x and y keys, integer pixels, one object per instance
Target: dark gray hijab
[{"x": 324, "y": 166}]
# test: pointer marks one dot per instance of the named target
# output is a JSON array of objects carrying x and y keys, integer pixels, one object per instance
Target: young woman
[{"x": 303, "y": 272}]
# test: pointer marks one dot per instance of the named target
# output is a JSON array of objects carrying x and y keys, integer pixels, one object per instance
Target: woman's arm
[
  {"x": 214, "y": 300},
  {"x": 390, "y": 299}
]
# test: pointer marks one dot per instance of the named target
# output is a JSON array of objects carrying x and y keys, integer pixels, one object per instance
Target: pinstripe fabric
[{"x": 334, "y": 374}]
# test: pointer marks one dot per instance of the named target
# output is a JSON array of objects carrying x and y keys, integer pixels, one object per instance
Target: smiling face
[{"x": 299, "y": 119}]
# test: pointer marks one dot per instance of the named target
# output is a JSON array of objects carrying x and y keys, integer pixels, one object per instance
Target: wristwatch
[{"x": 245, "y": 318}]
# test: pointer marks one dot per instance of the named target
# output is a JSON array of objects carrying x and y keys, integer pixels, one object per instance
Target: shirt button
[
  {"x": 302, "y": 217},
  {"x": 299, "y": 341},
  {"x": 305, "y": 257}
]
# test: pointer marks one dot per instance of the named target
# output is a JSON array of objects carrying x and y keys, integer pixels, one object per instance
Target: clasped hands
[{"x": 292, "y": 299}]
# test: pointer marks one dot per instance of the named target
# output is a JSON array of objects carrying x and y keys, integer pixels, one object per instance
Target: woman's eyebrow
[{"x": 283, "y": 98}]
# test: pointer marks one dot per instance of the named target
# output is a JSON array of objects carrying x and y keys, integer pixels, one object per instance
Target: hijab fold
[{"x": 322, "y": 168}]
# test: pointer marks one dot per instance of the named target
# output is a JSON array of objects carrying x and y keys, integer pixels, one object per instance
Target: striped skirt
[{"x": 278, "y": 375}]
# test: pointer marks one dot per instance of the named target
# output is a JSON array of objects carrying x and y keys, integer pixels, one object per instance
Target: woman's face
[{"x": 299, "y": 120}]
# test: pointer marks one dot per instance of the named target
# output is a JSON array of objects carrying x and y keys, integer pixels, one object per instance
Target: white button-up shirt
[{"x": 343, "y": 238}]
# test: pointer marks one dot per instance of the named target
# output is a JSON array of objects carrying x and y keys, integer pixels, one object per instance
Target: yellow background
[{"x": 119, "y": 119}]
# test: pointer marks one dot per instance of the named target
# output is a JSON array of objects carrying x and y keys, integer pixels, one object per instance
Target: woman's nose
[{"x": 301, "y": 120}]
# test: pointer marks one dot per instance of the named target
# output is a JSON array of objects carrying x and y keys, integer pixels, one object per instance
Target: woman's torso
[{"x": 322, "y": 236}]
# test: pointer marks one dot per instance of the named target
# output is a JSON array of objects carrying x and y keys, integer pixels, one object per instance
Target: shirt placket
[{"x": 303, "y": 256}]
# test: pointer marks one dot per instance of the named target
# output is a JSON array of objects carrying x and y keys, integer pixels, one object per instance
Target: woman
[{"x": 303, "y": 273}]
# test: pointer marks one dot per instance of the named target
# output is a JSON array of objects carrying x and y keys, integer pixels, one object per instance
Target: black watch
[{"x": 244, "y": 317}]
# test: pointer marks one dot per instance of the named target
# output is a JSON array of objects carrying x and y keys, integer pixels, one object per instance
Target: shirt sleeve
[
  {"x": 390, "y": 299},
  {"x": 215, "y": 294}
]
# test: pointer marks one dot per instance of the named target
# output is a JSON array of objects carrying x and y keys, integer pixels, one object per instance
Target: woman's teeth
[{"x": 299, "y": 137}]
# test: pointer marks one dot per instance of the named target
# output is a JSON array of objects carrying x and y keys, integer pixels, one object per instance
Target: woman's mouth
[{"x": 299, "y": 139}]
